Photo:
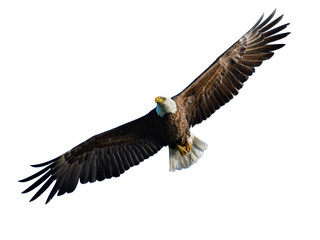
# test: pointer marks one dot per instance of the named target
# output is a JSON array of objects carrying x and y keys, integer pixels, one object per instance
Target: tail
[{"x": 179, "y": 161}]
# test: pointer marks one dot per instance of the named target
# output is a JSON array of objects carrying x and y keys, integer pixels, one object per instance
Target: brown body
[{"x": 177, "y": 127}]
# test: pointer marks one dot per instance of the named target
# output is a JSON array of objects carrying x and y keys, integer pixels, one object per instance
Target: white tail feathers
[{"x": 179, "y": 161}]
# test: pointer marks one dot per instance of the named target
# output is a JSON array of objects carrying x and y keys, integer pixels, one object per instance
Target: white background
[{"x": 72, "y": 69}]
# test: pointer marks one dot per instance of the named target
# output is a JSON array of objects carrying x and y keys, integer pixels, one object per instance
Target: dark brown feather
[
  {"x": 223, "y": 78},
  {"x": 106, "y": 155}
]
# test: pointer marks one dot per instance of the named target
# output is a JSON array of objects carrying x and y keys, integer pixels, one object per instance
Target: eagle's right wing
[{"x": 106, "y": 155}]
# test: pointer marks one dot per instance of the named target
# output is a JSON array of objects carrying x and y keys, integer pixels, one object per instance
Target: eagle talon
[
  {"x": 188, "y": 146},
  {"x": 182, "y": 150}
]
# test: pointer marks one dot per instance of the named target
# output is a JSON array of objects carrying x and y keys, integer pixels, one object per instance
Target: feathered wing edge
[
  {"x": 103, "y": 156},
  {"x": 223, "y": 78}
]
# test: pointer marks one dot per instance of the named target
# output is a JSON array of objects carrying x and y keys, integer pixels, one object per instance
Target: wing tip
[
  {"x": 257, "y": 23},
  {"x": 48, "y": 200},
  {"x": 260, "y": 24},
  {"x": 44, "y": 163},
  {"x": 23, "y": 180}
]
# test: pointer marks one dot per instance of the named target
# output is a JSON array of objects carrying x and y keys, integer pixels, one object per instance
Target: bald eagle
[{"x": 111, "y": 153}]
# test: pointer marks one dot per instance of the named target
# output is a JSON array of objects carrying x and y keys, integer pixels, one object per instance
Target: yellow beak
[{"x": 160, "y": 99}]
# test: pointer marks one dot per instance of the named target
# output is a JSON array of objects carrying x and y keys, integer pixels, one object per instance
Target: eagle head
[{"x": 165, "y": 105}]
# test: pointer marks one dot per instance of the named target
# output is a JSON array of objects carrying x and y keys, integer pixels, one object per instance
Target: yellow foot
[
  {"x": 188, "y": 146},
  {"x": 182, "y": 150}
]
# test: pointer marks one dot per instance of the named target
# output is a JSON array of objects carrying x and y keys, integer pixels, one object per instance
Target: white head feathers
[{"x": 165, "y": 105}]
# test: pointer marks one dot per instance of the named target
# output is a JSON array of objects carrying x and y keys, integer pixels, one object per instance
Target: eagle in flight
[{"x": 111, "y": 153}]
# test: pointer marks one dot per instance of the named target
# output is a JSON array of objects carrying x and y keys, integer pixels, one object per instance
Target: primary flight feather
[{"x": 111, "y": 153}]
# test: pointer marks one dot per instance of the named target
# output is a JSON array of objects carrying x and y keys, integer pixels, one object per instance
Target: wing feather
[
  {"x": 106, "y": 155},
  {"x": 222, "y": 79}
]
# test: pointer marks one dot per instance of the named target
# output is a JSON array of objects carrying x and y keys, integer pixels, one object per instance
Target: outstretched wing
[
  {"x": 106, "y": 155},
  {"x": 223, "y": 78}
]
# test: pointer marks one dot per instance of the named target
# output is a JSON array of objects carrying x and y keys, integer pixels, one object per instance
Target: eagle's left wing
[{"x": 223, "y": 78}]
